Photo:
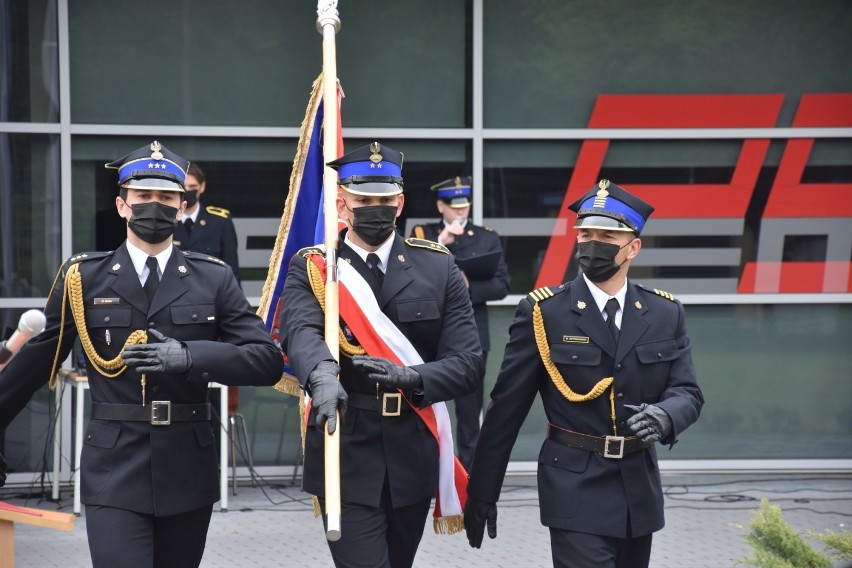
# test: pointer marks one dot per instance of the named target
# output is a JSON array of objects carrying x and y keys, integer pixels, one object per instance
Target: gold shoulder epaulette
[
  {"x": 423, "y": 243},
  {"x": 83, "y": 256},
  {"x": 667, "y": 295},
  {"x": 199, "y": 256},
  {"x": 540, "y": 294},
  {"x": 419, "y": 232},
  {"x": 220, "y": 211},
  {"x": 307, "y": 251},
  {"x": 488, "y": 229}
]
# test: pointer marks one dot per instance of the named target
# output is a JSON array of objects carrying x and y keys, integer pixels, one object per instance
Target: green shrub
[
  {"x": 840, "y": 543},
  {"x": 777, "y": 545}
]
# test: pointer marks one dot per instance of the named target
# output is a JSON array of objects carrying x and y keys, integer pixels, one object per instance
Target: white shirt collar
[
  {"x": 383, "y": 251},
  {"x": 139, "y": 256},
  {"x": 602, "y": 297},
  {"x": 194, "y": 215}
]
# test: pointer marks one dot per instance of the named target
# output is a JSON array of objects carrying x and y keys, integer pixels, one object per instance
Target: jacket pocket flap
[
  {"x": 563, "y": 457},
  {"x": 418, "y": 310},
  {"x": 571, "y": 354},
  {"x": 196, "y": 313},
  {"x": 102, "y": 434},
  {"x": 657, "y": 351},
  {"x": 116, "y": 316}
]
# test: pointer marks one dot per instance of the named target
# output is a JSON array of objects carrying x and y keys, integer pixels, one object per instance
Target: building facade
[{"x": 733, "y": 118}]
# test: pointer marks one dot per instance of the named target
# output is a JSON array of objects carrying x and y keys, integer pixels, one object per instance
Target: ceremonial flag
[{"x": 302, "y": 221}]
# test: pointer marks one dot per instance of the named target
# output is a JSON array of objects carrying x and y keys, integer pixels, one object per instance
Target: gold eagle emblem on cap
[
  {"x": 375, "y": 157},
  {"x": 602, "y": 194},
  {"x": 155, "y": 150}
]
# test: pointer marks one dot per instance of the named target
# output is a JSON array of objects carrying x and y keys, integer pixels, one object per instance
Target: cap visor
[
  {"x": 374, "y": 188},
  {"x": 602, "y": 223},
  {"x": 158, "y": 184}
]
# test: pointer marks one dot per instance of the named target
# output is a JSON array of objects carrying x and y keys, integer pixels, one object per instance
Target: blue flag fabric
[{"x": 302, "y": 223}]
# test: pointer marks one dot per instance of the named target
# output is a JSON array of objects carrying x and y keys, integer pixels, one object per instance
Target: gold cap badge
[{"x": 375, "y": 157}]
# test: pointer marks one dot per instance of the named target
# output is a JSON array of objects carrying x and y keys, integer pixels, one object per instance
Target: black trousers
[
  {"x": 124, "y": 539},
  {"x": 580, "y": 550},
  {"x": 378, "y": 537},
  {"x": 468, "y": 412}
]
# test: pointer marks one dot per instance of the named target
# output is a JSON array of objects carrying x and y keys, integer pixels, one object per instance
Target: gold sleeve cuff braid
[
  {"x": 555, "y": 375},
  {"x": 74, "y": 288},
  {"x": 318, "y": 288}
]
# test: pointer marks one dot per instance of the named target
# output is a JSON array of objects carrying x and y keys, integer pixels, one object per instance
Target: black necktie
[
  {"x": 610, "y": 309},
  {"x": 153, "y": 280},
  {"x": 188, "y": 225},
  {"x": 373, "y": 263}
]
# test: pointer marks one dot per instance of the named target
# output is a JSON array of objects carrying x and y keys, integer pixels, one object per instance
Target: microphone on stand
[{"x": 32, "y": 323}]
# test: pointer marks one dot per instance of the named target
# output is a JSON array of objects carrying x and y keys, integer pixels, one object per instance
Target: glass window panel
[
  {"x": 789, "y": 406},
  {"x": 545, "y": 62},
  {"x": 29, "y": 62},
  {"x": 400, "y": 64},
  {"x": 30, "y": 229}
]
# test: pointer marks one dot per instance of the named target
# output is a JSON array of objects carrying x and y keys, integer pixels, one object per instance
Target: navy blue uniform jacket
[
  {"x": 213, "y": 234},
  {"x": 580, "y": 490},
  {"x": 160, "y": 470},
  {"x": 476, "y": 241},
  {"x": 425, "y": 296}
]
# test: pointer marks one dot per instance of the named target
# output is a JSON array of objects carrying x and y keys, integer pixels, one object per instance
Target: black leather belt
[
  {"x": 388, "y": 403},
  {"x": 158, "y": 413},
  {"x": 607, "y": 446}
]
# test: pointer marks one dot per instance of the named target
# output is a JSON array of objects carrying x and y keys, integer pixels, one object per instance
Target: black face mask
[
  {"x": 153, "y": 222},
  {"x": 597, "y": 260},
  {"x": 374, "y": 223},
  {"x": 191, "y": 198}
]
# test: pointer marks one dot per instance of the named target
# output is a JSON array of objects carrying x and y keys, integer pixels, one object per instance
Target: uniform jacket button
[
  {"x": 194, "y": 317},
  {"x": 659, "y": 355},
  {"x": 419, "y": 314},
  {"x": 622, "y": 425},
  {"x": 205, "y": 375},
  {"x": 555, "y": 460},
  {"x": 618, "y": 367},
  {"x": 620, "y": 395},
  {"x": 574, "y": 357},
  {"x": 152, "y": 325},
  {"x": 106, "y": 319},
  {"x": 88, "y": 436}
]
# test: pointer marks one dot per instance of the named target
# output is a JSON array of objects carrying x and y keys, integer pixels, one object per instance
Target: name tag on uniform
[
  {"x": 574, "y": 339},
  {"x": 105, "y": 301}
]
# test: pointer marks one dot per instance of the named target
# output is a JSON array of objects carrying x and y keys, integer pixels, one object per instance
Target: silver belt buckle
[
  {"x": 608, "y": 442},
  {"x": 158, "y": 409},
  {"x": 391, "y": 396}
]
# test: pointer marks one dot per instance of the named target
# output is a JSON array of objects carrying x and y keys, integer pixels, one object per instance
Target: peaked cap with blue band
[
  {"x": 152, "y": 167},
  {"x": 611, "y": 208},
  {"x": 370, "y": 170},
  {"x": 455, "y": 192}
]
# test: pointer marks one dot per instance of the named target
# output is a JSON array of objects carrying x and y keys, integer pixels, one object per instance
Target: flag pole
[{"x": 328, "y": 24}]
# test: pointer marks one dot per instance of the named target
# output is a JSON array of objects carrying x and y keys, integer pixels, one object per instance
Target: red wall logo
[{"x": 791, "y": 207}]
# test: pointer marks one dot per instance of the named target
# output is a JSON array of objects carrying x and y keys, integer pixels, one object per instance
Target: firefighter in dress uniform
[
  {"x": 467, "y": 241},
  {"x": 612, "y": 363},
  {"x": 209, "y": 230},
  {"x": 388, "y": 458},
  {"x": 156, "y": 324}
]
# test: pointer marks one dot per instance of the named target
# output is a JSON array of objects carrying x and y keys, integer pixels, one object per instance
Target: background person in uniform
[
  {"x": 613, "y": 365},
  {"x": 466, "y": 240},
  {"x": 209, "y": 230},
  {"x": 389, "y": 464},
  {"x": 149, "y": 471}
]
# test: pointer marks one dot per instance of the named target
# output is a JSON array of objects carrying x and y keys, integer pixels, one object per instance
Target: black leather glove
[
  {"x": 327, "y": 394},
  {"x": 3, "y": 467},
  {"x": 387, "y": 372},
  {"x": 650, "y": 423},
  {"x": 478, "y": 514},
  {"x": 160, "y": 355}
]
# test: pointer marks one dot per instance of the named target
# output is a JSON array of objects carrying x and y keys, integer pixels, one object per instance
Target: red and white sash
[{"x": 380, "y": 337}]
